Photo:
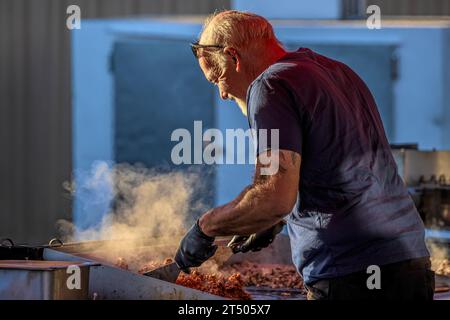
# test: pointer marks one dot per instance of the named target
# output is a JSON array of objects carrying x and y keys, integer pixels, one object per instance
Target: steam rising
[
  {"x": 148, "y": 208},
  {"x": 439, "y": 258}
]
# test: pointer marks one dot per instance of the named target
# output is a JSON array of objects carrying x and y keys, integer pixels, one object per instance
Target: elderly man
[{"x": 337, "y": 185}]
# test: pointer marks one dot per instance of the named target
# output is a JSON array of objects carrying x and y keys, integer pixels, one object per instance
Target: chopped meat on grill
[
  {"x": 267, "y": 275},
  {"x": 151, "y": 265},
  {"x": 229, "y": 281},
  {"x": 121, "y": 263},
  {"x": 229, "y": 287}
]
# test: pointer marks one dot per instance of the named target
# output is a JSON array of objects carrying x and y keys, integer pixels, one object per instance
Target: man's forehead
[{"x": 206, "y": 35}]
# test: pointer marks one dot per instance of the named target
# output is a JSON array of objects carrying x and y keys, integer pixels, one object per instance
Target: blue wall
[{"x": 421, "y": 98}]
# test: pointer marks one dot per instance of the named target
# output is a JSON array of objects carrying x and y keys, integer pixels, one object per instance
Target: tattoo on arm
[
  {"x": 294, "y": 158},
  {"x": 281, "y": 169},
  {"x": 284, "y": 165},
  {"x": 259, "y": 178}
]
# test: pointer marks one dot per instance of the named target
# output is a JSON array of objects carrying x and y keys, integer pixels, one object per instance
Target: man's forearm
[
  {"x": 252, "y": 211},
  {"x": 261, "y": 205}
]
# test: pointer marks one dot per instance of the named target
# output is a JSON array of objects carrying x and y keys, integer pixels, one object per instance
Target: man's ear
[{"x": 234, "y": 57}]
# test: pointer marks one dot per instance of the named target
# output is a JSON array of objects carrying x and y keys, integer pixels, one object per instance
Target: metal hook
[
  {"x": 6, "y": 240},
  {"x": 58, "y": 242}
]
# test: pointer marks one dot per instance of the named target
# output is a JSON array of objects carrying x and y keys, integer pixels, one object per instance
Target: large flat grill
[{"x": 107, "y": 281}]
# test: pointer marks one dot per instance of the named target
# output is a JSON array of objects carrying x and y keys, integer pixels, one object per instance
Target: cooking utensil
[
  {"x": 170, "y": 272},
  {"x": 223, "y": 252}
]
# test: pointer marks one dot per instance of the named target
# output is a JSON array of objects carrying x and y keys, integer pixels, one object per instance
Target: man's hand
[
  {"x": 195, "y": 248},
  {"x": 256, "y": 241}
]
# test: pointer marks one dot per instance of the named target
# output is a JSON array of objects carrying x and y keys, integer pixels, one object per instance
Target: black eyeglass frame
[{"x": 195, "y": 46}]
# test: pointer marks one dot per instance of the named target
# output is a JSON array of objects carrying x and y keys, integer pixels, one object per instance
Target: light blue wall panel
[{"x": 420, "y": 95}]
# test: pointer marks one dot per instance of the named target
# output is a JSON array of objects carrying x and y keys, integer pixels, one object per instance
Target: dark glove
[
  {"x": 256, "y": 241},
  {"x": 195, "y": 248}
]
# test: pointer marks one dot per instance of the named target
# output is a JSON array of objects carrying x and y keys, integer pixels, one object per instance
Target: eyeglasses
[{"x": 195, "y": 46}]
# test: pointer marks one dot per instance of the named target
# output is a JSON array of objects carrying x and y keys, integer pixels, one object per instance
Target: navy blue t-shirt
[{"x": 353, "y": 209}]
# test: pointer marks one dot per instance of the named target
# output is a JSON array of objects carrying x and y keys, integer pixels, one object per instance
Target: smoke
[
  {"x": 439, "y": 258},
  {"x": 148, "y": 208},
  {"x": 438, "y": 252}
]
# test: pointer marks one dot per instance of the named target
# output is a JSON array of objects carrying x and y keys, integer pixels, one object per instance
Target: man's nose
[{"x": 223, "y": 94}]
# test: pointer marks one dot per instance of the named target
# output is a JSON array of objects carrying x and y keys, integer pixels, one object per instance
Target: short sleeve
[{"x": 271, "y": 105}]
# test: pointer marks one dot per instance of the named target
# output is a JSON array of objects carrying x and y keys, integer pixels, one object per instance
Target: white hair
[
  {"x": 247, "y": 32},
  {"x": 238, "y": 29}
]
